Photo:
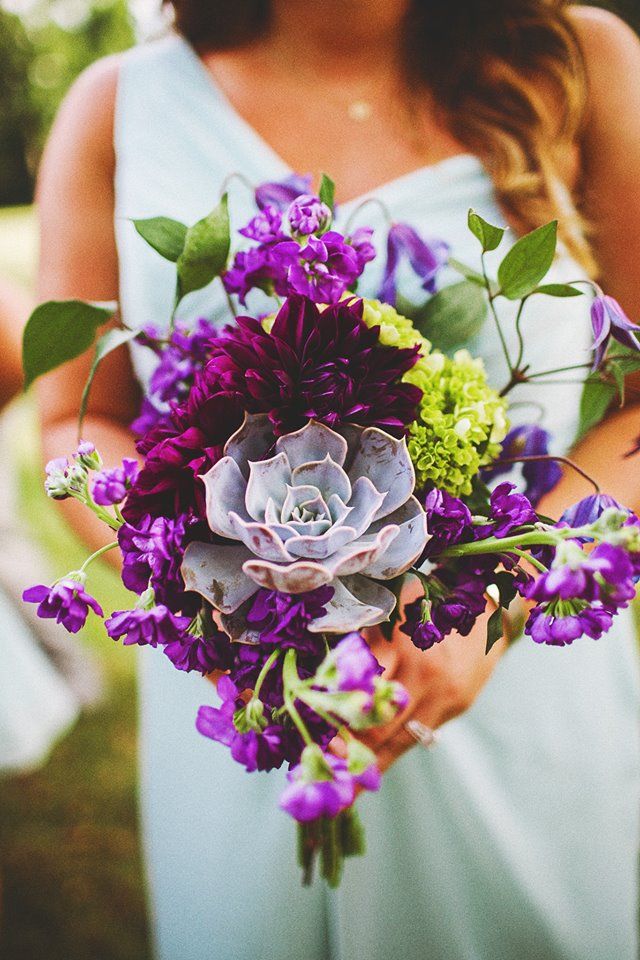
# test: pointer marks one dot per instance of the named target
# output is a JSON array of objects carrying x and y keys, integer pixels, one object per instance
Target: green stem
[
  {"x": 519, "y": 332},
  {"x": 263, "y": 673},
  {"x": 98, "y": 553},
  {"x": 532, "y": 560},
  {"x": 291, "y": 682},
  {"x": 535, "y": 538},
  {"x": 548, "y": 373},
  {"x": 496, "y": 318}
]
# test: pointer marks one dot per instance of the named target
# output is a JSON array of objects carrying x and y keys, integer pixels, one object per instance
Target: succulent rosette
[{"x": 327, "y": 508}]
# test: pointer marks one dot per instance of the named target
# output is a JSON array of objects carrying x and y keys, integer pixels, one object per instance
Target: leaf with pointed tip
[
  {"x": 453, "y": 315},
  {"x": 107, "y": 343},
  {"x": 559, "y": 290},
  {"x": 489, "y": 236},
  {"x": 59, "y": 331},
  {"x": 167, "y": 237},
  {"x": 327, "y": 191},
  {"x": 528, "y": 262},
  {"x": 495, "y": 629},
  {"x": 206, "y": 250},
  {"x": 597, "y": 397}
]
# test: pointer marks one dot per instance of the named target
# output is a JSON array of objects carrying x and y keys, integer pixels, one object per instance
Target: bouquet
[{"x": 301, "y": 464}]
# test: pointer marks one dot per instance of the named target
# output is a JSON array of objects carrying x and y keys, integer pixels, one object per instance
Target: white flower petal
[
  {"x": 268, "y": 480},
  {"x": 364, "y": 505},
  {"x": 386, "y": 462},
  {"x": 298, "y": 577},
  {"x": 346, "y": 612},
  {"x": 326, "y": 475},
  {"x": 251, "y": 441},
  {"x": 323, "y": 546},
  {"x": 411, "y": 522},
  {"x": 260, "y": 539},
  {"x": 354, "y": 557}
]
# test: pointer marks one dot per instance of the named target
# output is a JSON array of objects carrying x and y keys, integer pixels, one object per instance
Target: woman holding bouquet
[{"x": 518, "y": 836}]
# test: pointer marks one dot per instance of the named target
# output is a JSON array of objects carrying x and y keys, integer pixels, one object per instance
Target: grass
[{"x": 71, "y": 880}]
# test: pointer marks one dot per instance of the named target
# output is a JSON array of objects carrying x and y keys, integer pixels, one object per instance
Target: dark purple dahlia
[{"x": 323, "y": 365}]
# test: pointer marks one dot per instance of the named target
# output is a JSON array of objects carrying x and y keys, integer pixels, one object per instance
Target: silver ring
[{"x": 425, "y": 736}]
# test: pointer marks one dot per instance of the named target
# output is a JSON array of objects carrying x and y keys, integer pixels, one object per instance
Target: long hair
[{"x": 507, "y": 76}]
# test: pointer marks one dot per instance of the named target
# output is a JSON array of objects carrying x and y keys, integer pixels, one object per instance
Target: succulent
[{"x": 327, "y": 507}]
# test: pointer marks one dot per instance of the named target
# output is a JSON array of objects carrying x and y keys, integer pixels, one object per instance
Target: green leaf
[
  {"x": 107, "y": 343},
  {"x": 597, "y": 397},
  {"x": 468, "y": 272},
  {"x": 494, "y": 629},
  {"x": 453, "y": 315},
  {"x": 559, "y": 290},
  {"x": 506, "y": 584},
  {"x": 166, "y": 236},
  {"x": 327, "y": 191},
  {"x": 528, "y": 262},
  {"x": 489, "y": 236},
  {"x": 206, "y": 249},
  {"x": 59, "y": 331}
]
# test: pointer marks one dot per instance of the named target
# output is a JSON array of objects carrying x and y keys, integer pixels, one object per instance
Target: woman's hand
[{"x": 442, "y": 683}]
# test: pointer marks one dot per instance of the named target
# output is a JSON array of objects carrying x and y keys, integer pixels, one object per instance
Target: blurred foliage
[{"x": 41, "y": 53}]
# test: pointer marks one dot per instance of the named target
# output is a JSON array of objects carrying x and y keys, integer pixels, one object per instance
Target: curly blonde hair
[{"x": 508, "y": 77}]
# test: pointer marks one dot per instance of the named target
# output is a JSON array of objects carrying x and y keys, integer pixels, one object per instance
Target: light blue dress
[{"x": 517, "y": 837}]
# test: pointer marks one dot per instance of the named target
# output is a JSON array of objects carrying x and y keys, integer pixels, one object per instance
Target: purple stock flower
[
  {"x": 111, "y": 486},
  {"x": 307, "y": 799},
  {"x": 508, "y": 510},
  {"x": 264, "y": 267},
  {"x": 426, "y": 259},
  {"x": 308, "y": 214},
  {"x": 153, "y": 552},
  {"x": 282, "y": 619},
  {"x": 325, "y": 269},
  {"x": 360, "y": 240},
  {"x": 255, "y": 751},
  {"x": 266, "y": 226},
  {"x": 608, "y": 319},
  {"x": 559, "y": 630},
  {"x": 281, "y": 193},
  {"x": 66, "y": 602},
  {"x": 541, "y": 476},
  {"x": 149, "y": 417},
  {"x": 448, "y": 521},
  {"x": 605, "y": 574},
  {"x": 328, "y": 366},
  {"x": 205, "y": 654},
  {"x": 157, "y": 625},
  {"x": 356, "y": 667},
  {"x": 419, "y": 626},
  {"x": 589, "y": 510},
  {"x": 57, "y": 478}
]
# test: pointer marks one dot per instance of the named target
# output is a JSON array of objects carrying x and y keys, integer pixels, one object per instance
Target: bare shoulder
[{"x": 611, "y": 52}]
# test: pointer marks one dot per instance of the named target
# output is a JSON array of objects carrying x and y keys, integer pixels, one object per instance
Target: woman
[{"x": 517, "y": 836}]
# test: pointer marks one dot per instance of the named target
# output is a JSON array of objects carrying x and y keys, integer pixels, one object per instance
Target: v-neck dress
[{"x": 516, "y": 838}]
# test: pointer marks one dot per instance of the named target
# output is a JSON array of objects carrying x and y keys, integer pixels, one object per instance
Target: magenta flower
[
  {"x": 426, "y": 259},
  {"x": 589, "y": 509},
  {"x": 282, "y": 619},
  {"x": 448, "y": 521},
  {"x": 541, "y": 476},
  {"x": 66, "y": 602},
  {"x": 356, "y": 667},
  {"x": 326, "y": 794},
  {"x": 111, "y": 486},
  {"x": 508, "y": 511},
  {"x": 557, "y": 629},
  {"x": 266, "y": 226},
  {"x": 308, "y": 214},
  {"x": 608, "y": 319},
  {"x": 325, "y": 269}
]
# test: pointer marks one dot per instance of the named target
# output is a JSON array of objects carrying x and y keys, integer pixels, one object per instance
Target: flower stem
[
  {"x": 494, "y": 312},
  {"x": 540, "y": 457},
  {"x": 98, "y": 553},
  {"x": 534, "y": 538},
  {"x": 291, "y": 682},
  {"x": 547, "y": 373},
  {"x": 532, "y": 560},
  {"x": 263, "y": 673}
]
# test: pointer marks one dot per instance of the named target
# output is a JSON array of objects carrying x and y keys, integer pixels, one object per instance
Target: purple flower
[
  {"x": 325, "y": 796},
  {"x": 57, "y": 479},
  {"x": 448, "y": 521},
  {"x": 153, "y": 552},
  {"x": 355, "y": 665},
  {"x": 111, "y": 486},
  {"x": 180, "y": 359},
  {"x": 66, "y": 602},
  {"x": 328, "y": 366},
  {"x": 508, "y": 510},
  {"x": 266, "y": 750},
  {"x": 266, "y": 226},
  {"x": 541, "y": 476},
  {"x": 559, "y": 630},
  {"x": 281, "y": 193},
  {"x": 282, "y": 619},
  {"x": 264, "y": 267},
  {"x": 426, "y": 259},
  {"x": 419, "y": 626},
  {"x": 588, "y": 510},
  {"x": 325, "y": 269},
  {"x": 360, "y": 240},
  {"x": 608, "y": 319},
  {"x": 605, "y": 574},
  {"x": 147, "y": 627},
  {"x": 150, "y": 416},
  {"x": 308, "y": 214},
  {"x": 201, "y": 654}
]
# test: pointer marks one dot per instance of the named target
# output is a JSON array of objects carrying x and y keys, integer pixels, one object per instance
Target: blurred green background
[{"x": 71, "y": 884}]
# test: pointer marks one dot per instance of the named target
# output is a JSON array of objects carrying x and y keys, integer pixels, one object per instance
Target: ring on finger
[{"x": 420, "y": 732}]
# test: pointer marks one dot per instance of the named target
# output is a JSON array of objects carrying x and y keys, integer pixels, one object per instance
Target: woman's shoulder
[{"x": 609, "y": 46}]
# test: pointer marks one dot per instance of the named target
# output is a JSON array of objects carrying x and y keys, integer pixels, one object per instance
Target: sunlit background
[{"x": 71, "y": 884}]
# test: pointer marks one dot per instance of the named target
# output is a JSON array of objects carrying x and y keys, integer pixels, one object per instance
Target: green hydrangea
[{"x": 461, "y": 419}]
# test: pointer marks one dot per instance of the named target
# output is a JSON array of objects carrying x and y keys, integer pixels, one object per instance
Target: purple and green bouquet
[{"x": 300, "y": 465}]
